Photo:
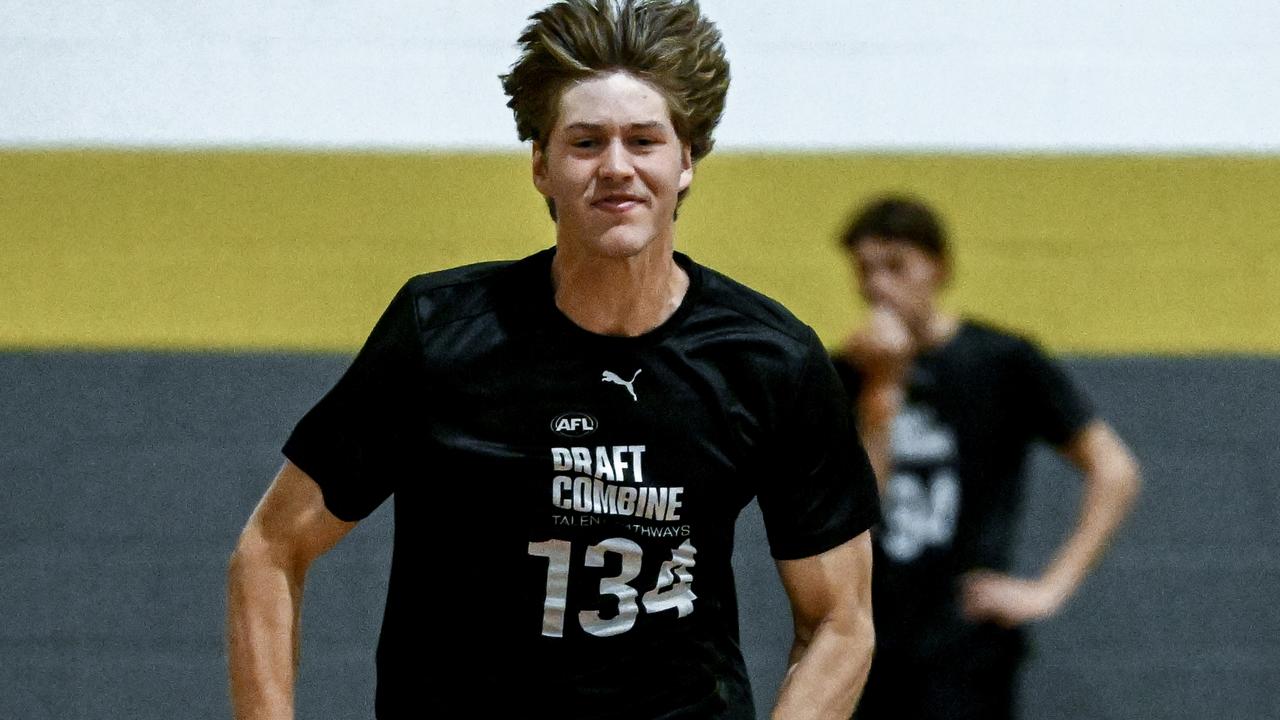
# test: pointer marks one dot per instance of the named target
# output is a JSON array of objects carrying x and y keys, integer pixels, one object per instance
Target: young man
[
  {"x": 570, "y": 437},
  {"x": 948, "y": 409}
]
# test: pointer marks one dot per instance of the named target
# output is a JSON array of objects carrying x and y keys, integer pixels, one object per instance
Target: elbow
[
  {"x": 1116, "y": 479},
  {"x": 1128, "y": 481},
  {"x": 861, "y": 648},
  {"x": 245, "y": 559},
  {"x": 1135, "y": 481},
  {"x": 254, "y": 555},
  {"x": 242, "y": 568},
  {"x": 259, "y": 575},
  {"x": 852, "y": 627},
  {"x": 251, "y": 549},
  {"x": 866, "y": 635}
]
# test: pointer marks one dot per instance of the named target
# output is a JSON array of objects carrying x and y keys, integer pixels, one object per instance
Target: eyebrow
[{"x": 595, "y": 127}]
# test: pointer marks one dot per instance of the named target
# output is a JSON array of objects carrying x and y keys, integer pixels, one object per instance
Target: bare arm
[
  {"x": 882, "y": 349},
  {"x": 830, "y": 598},
  {"x": 876, "y": 406},
  {"x": 288, "y": 530},
  {"x": 1111, "y": 483}
]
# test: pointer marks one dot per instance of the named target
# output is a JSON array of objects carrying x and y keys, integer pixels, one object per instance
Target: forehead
[
  {"x": 610, "y": 100},
  {"x": 876, "y": 250}
]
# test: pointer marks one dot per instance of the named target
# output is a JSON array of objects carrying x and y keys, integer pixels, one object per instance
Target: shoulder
[
  {"x": 848, "y": 371},
  {"x": 464, "y": 292},
  {"x": 463, "y": 276},
  {"x": 762, "y": 316},
  {"x": 1015, "y": 359},
  {"x": 994, "y": 342}
]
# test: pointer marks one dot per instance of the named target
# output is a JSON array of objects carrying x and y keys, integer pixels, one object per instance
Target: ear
[
  {"x": 944, "y": 274},
  {"x": 942, "y": 271},
  {"x": 686, "y": 167},
  {"x": 538, "y": 165}
]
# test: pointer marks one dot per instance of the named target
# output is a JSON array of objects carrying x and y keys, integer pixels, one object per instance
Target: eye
[{"x": 583, "y": 143}]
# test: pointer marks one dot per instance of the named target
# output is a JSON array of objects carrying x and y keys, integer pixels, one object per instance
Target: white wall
[{"x": 1146, "y": 75}]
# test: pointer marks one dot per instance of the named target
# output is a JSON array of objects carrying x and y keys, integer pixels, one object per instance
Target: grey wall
[{"x": 125, "y": 477}]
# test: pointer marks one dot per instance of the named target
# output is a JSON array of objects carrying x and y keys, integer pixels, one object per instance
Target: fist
[{"x": 884, "y": 346}]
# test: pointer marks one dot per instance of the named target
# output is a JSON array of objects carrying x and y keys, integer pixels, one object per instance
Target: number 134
[{"x": 672, "y": 589}]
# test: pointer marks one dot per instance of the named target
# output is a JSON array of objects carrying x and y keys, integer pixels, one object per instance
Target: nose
[
  {"x": 874, "y": 286},
  {"x": 615, "y": 163}
]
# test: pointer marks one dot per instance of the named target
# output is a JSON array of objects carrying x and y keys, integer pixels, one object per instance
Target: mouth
[{"x": 618, "y": 203}]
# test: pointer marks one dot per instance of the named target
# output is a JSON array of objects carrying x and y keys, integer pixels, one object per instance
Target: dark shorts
[{"x": 976, "y": 680}]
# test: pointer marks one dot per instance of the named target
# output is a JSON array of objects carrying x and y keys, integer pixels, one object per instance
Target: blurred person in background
[
  {"x": 948, "y": 408},
  {"x": 570, "y": 437}
]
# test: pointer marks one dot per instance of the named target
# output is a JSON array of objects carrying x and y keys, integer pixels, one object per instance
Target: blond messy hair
[{"x": 667, "y": 43}]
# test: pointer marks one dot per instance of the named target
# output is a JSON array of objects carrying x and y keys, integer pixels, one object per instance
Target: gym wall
[{"x": 204, "y": 208}]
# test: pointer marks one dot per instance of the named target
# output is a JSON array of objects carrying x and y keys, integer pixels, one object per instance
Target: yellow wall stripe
[{"x": 260, "y": 250}]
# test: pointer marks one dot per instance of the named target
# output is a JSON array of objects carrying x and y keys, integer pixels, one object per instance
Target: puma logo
[{"x": 610, "y": 376}]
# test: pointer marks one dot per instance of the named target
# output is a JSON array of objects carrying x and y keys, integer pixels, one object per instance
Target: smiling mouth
[{"x": 617, "y": 203}]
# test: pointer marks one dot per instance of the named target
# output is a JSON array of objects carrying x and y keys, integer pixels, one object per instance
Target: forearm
[
  {"x": 877, "y": 405},
  {"x": 263, "y": 609},
  {"x": 828, "y": 670},
  {"x": 1108, "y": 497}
]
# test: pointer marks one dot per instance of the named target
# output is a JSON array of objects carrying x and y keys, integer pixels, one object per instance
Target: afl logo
[{"x": 574, "y": 424}]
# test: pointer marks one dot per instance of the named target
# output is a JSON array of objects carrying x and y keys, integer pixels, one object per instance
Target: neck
[{"x": 625, "y": 296}]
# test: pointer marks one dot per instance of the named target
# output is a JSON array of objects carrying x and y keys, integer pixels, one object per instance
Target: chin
[{"x": 623, "y": 242}]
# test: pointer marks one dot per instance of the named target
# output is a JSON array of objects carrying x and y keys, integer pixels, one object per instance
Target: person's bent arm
[
  {"x": 875, "y": 408},
  {"x": 883, "y": 350},
  {"x": 288, "y": 530},
  {"x": 1111, "y": 483},
  {"x": 830, "y": 597}
]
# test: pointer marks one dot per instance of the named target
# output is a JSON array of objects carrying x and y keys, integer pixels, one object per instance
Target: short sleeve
[
  {"x": 1053, "y": 406},
  {"x": 850, "y": 374},
  {"x": 353, "y": 442},
  {"x": 819, "y": 490}
]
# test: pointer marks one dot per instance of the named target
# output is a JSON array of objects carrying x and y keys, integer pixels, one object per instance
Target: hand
[
  {"x": 883, "y": 347},
  {"x": 989, "y": 596}
]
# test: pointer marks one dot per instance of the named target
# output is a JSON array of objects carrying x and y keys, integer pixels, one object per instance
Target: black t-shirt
[
  {"x": 565, "y": 501},
  {"x": 959, "y": 445}
]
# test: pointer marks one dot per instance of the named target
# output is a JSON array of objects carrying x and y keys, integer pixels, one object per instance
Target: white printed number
[
  {"x": 920, "y": 514},
  {"x": 673, "y": 588}
]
